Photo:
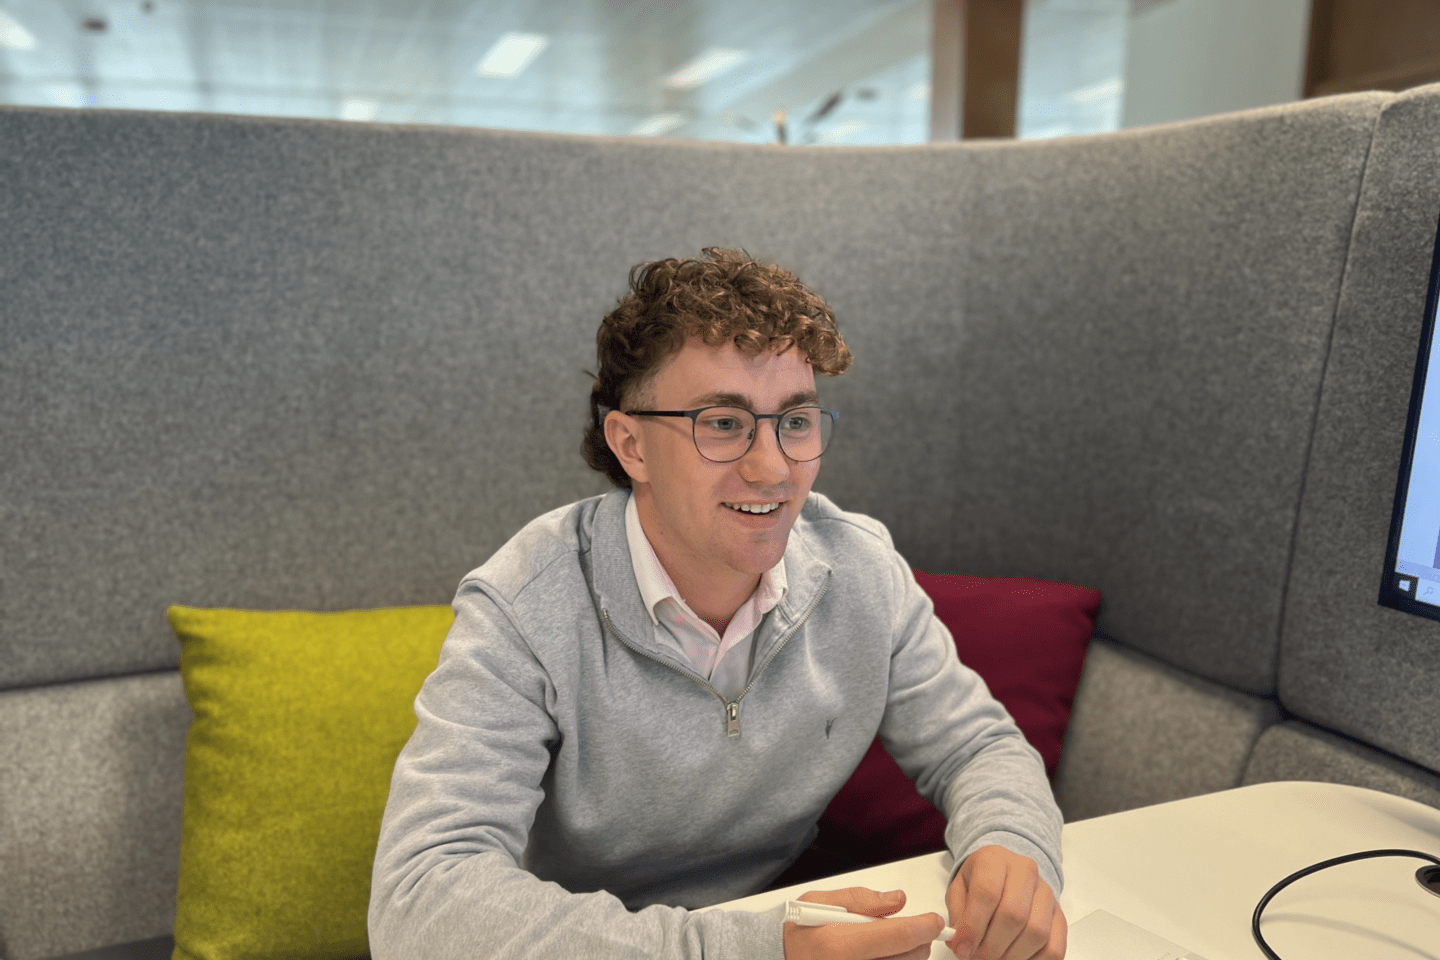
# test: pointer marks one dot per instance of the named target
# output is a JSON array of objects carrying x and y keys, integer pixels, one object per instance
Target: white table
[{"x": 1192, "y": 871}]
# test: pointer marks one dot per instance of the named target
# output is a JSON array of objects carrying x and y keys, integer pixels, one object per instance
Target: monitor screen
[{"x": 1412, "y": 559}]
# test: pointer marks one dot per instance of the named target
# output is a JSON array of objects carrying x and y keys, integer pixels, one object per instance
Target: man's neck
[
  {"x": 713, "y": 593},
  {"x": 711, "y": 601}
]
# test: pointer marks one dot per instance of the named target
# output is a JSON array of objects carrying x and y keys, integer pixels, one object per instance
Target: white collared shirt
[{"x": 724, "y": 661}]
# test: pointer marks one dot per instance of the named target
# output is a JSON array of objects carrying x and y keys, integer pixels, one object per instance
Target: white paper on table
[{"x": 1104, "y": 936}]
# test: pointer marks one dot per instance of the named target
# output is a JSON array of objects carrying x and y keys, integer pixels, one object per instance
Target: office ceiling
[
  {"x": 604, "y": 66},
  {"x": 841, "y": 71}
]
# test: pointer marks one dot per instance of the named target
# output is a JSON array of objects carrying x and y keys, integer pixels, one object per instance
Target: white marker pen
[{"x": 819, "y": 914}]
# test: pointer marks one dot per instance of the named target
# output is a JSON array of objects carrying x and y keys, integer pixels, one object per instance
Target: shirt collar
[{"x": 655, "y": 584}]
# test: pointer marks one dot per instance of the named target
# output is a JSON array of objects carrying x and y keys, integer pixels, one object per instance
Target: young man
[{"x": 648, "y": 698}]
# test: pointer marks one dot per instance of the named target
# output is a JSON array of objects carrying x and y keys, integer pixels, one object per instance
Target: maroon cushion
[{"x": 1027, "y": 639}]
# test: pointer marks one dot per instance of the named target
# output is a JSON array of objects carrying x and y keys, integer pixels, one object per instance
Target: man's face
[{"x": 688, "y": 504}]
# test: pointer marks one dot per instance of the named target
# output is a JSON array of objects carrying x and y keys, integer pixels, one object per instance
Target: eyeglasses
[{"x": 725, "y": 434}]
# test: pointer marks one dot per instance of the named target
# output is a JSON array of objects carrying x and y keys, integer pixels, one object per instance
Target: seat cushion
[
  {"x": 298, "y": 720},
  {"x": 1027, "y": 639}
]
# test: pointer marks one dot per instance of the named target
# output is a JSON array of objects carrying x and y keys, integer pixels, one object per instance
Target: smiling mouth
[{"x": 755, "y": 508}]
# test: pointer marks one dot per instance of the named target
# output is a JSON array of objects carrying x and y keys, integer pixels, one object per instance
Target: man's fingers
[
  {"x": 955, "y": 898},
  {"x": 1034, "y": 931},
  {"x": 862, "y": 900},
  {"x": 1011, "y": 917},
  {"x": 1059, "y": 937},
  {"x": 905, "y": 938},
  {"x": 892, "y": 937},
  {"x": 1047, "y": 941},
  {"x": 983, "y": 890}
]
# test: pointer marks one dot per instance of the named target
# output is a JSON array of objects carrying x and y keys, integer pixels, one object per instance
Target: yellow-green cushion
[{"x": 298, "y": 720}]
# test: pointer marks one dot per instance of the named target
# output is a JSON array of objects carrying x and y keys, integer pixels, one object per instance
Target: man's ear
[{"x": 622, "y": 435}]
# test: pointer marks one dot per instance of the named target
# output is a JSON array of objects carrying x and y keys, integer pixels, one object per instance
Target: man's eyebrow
[{"x": 723, "y": 399}]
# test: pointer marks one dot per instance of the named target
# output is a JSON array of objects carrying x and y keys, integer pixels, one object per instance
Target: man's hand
[
  {"x": 1002, "y": 910},
  {"x": 907, "y": 938}
]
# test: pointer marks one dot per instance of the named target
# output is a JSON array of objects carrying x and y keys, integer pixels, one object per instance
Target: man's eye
[
  {"x": 798, "y": 422},
  {"x": 721, "y": 424}
]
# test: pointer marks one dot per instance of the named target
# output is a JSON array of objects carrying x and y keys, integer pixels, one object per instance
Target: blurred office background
[{"x": 840, "y": 72}]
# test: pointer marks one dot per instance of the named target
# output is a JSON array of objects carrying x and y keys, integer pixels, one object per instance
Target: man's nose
[{"x": 765, "y": 462}]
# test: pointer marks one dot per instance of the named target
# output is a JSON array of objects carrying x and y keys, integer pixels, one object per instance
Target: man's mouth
[{"x": 754, "y": 507}]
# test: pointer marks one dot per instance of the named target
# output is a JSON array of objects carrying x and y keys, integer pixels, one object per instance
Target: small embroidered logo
[{"x": 828, "y": 724}]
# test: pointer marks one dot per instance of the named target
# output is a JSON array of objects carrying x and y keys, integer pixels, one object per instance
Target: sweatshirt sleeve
[
  {"x": 448, "y": 882},
  {"x": 960, "y": 745}
]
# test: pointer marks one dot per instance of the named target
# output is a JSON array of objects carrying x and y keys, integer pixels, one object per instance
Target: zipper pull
[{"x": 732, "y": 719}]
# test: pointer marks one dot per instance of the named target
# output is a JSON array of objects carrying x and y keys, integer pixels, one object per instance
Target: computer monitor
[{"x": 1412, "y": 558}]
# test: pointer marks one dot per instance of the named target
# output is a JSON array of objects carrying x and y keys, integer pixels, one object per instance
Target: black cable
[{"x": 1314, "y": 868}]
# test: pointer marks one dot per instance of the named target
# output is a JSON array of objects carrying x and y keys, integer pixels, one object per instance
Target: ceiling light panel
[
  {"x": 511, "y": 54},
  {"x": 658, "y": 125},
  {"x": 706, "y": 67},
  {"x": 842, "y": 131},
  {"x": 13, "y": 34},
  {"x": 1111, "y": 89},
  {"x": 356, "y": 108}
]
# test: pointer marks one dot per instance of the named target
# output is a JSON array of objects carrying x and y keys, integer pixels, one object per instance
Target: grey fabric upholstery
[
  {"x": 91, "y": 792},
  {"x": 1144, "y": 733},
  {"x": 272, "y": 363},
  {"x": 233, "y": 339},
  {"x": 1299, "y": 751},
  {"x": 157, "y": 948},
  {"x": 1347, "y": 664}
]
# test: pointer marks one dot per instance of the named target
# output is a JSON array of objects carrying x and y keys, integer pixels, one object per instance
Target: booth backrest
[{"x": 321, "y": 365}]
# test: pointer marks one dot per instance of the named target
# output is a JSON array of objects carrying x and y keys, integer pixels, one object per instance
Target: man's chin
[
  {"x": 760, "y": 557},
  {"x": 759, "y": 541}
]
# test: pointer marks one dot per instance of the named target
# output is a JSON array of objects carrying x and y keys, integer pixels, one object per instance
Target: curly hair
[{"x": 724, "y": 297}]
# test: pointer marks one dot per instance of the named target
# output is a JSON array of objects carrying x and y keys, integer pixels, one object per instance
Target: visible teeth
[{"x": 754, "y": 507}]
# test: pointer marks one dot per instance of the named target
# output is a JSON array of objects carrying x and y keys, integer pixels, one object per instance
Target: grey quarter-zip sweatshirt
[{"x": 574, "y": 788}]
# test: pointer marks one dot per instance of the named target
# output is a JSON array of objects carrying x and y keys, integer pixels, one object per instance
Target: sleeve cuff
[{"x": 746, "y": 935}]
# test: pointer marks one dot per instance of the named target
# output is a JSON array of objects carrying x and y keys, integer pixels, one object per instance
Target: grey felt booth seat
[{"x": 276, "y": 364}]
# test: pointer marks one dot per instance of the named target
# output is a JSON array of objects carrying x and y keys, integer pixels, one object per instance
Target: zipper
[
  {"x": 732, "y": 707},
  {"x": 779, "y": 646}
]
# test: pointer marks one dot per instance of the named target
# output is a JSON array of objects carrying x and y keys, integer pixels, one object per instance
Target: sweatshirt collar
[{"x": 618, "y": 593}]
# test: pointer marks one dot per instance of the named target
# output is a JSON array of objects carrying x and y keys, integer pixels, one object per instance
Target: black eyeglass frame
[{"x": 694, "y": 416}]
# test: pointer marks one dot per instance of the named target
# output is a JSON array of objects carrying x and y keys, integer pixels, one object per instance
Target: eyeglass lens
[{"x": 723, "y": 434}]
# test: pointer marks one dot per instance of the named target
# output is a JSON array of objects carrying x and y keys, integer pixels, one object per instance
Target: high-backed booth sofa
[{"x": 290, "y": 365}]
